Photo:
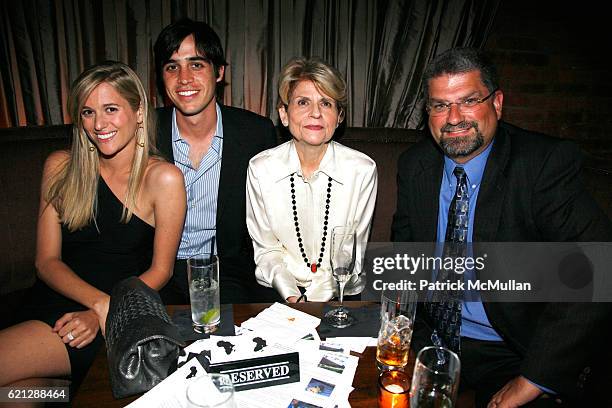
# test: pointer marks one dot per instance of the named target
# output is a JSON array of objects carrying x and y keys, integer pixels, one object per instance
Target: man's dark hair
[
  {"x": 461, "y": 60},
  {"x": 207, "y": 43}
]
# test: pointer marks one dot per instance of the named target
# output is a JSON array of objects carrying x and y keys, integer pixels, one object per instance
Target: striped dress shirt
[{"x": 202, "y": 186}]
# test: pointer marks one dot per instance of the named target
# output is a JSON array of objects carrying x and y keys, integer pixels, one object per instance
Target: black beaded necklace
[{"x": 313, "y": 266}]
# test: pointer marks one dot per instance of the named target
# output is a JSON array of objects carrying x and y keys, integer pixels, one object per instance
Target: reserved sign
[{"x": 261, "y": 372}]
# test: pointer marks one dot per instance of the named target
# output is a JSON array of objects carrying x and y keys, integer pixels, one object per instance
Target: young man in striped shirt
[{"x": 211, "y": 144}]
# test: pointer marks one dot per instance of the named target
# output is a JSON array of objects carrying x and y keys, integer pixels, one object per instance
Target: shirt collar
[
  {"x": 474, "y": 169},
  {"x": 328, "y": 165},
  {"x": 176, "y": 134}
]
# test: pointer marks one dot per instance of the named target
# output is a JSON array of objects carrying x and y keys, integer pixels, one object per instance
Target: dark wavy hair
[{"x": 207, "y": 43}]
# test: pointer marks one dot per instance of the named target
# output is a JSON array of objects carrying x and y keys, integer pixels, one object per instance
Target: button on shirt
[
  {"x": 270, "y": 216},
  {"x": 474, "y": 322},
  {"x": 202, "y": 187}
]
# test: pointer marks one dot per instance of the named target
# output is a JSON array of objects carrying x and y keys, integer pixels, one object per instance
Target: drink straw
[{"x": 212, "y": 247}]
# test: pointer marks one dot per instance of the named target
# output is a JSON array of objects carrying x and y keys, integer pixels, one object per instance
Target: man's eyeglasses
[{"x": 468, "y": 105}]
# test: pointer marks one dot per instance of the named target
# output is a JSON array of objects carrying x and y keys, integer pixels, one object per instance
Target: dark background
[{"x": 554, "y": 66}]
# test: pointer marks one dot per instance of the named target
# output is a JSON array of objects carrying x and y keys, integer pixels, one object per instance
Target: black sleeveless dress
[{"x": 101, "y": 254}]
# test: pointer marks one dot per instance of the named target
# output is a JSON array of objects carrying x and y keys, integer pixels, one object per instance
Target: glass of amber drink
[{"x": 397, "y": 313}]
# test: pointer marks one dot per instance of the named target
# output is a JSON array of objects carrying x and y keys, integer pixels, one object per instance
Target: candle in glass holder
[{"x": 393, "y": 389}]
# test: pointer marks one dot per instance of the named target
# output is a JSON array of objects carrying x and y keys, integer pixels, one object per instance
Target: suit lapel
[
  {"x": 164, "y": 133},
  {"x": 492, "y": 190},
  {"x": 427, "y": 196},
  {"x": 231, "y": 156}
]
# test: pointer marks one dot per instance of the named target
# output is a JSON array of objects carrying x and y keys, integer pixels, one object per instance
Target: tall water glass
[
  {"x": 435, "y": 380},
  {"x": 203, "y": 276},
  {"x": 342, "y": 259},
  {"x": 210, "y": 391},
  {"x": 397, "y": 311}
]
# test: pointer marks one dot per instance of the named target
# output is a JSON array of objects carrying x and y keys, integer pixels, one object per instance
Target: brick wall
[
  {"x": 553, "y": 62},
  {"x": 554, "y": 66}
]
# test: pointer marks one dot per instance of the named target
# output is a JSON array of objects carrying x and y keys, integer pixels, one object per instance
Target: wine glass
[
  {"x": 435, "y": 380},
  {"x": 342, "y": 259}
]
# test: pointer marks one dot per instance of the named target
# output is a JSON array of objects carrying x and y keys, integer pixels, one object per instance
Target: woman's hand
[
  {"x": 77, "y": 329},
  {"x": 296, "y": 299}
]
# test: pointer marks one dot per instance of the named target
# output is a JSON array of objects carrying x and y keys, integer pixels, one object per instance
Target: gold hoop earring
[{"x": 91, "y": 148}]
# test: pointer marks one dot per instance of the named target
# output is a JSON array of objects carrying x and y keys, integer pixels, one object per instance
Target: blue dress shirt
[
  {"x": 202, "y": 187},
  {"x": 474, "y": 322}
]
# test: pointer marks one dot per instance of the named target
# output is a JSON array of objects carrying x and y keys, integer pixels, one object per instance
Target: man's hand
[{"x": 515, "y": 393}]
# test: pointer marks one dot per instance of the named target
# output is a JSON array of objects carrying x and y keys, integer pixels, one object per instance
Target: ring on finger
[{"x": 70, "y": 335}]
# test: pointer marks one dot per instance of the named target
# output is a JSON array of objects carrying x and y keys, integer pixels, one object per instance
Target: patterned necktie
[
  {"x": 457, "y": 224},
  {"x": 445, "y": 308}
]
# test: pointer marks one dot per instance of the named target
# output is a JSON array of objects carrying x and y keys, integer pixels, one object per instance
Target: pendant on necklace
[{"x": 313, "y": 267}]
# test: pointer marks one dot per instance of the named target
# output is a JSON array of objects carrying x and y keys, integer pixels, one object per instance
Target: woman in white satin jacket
[{"x": 297, "y": 192}]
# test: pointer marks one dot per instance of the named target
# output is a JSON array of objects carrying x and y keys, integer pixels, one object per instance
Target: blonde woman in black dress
[{"x": 109, "y": 209}]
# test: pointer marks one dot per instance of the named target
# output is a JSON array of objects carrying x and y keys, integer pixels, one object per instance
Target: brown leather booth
[{"x": 23, "y": 151}]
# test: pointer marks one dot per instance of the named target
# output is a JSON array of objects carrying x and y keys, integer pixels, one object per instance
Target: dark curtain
[{"x": 380, "y": 46}]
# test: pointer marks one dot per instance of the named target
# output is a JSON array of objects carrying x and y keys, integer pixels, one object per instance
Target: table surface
[{"x": 96, "y": 391}]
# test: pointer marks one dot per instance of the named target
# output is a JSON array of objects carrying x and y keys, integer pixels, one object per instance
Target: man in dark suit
[
  {"x": 521, "y": 186},
  {"x": 212, "y": 145}
]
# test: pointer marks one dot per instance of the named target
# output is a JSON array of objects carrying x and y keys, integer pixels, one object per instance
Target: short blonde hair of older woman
[{"x": 325, "y": 78}]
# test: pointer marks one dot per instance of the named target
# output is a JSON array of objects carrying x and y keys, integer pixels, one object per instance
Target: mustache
[{"x": 459, "y": 126}]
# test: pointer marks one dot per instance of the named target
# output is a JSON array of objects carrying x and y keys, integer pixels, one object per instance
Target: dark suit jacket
[
  {"x": 244, "y": 135},
  {"x": 531, "y": 191}
]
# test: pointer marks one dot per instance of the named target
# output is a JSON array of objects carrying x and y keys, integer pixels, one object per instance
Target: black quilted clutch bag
[{"x": 142, "y": 343}]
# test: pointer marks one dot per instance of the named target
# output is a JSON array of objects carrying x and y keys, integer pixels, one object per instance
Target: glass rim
[
  {"x": 230, "y": 391},
  {"x": 450, "y": 352},
  {"x": 203, "y": 255},
  {"x": 202, "y": 260},
  {"x": 412, "y": 297},
  {"x": 348, "y": 228}
]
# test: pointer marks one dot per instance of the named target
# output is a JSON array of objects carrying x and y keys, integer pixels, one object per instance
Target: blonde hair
[
  {"x": 325, "y": 78},
  {"x": 73, "y": 190}
]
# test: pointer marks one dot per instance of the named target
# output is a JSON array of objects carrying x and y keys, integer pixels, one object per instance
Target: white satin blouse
[{"x": 270, "y": 216}]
